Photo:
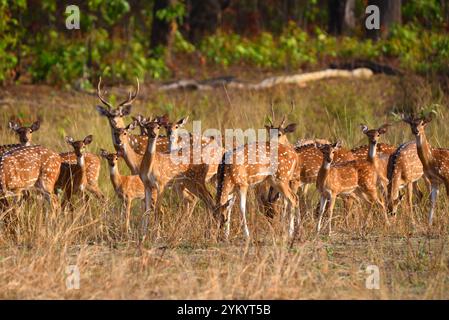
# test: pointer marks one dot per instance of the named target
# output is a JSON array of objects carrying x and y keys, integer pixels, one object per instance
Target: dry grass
[{"x": 186, "y": 261}]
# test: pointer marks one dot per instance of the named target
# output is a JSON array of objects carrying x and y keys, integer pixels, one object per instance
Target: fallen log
[{"x": 298, "y": 79}]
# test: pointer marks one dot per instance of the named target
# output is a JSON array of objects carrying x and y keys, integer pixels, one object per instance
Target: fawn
[
  {"x": 350, "y": 178},
  {"x": 73, "y": 177},
  {"x": 127, "y": 188}
]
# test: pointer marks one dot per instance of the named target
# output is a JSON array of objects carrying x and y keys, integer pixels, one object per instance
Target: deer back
[{"x": 28, "y": 166}]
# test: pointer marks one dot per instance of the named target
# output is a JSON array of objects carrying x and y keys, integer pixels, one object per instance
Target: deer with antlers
[
  {"x": 24, "y": 134},
  {"x": 115, "y": 117},
  {"x": 127, "y": 188},
  {"x": 350, "y": 179},
  {"x": 435, "y": 161},
  {"x": 159, "y": 170},
  {"x": 73, "y": 177},
  {"x": 27, "y": 167}
]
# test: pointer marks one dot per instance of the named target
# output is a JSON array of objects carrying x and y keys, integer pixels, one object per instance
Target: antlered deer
[
  {"x": 127, "y": 188},
  {"x": 435, "y": 161}
]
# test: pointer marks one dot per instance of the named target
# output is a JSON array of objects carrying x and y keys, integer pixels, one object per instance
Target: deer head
[
  {"x": 172, "y": 129},
  {"x": 80, "y": 145},
  {"x": 374, "y": 134},
  {"x": 24, "y": 133},
  {"x": 417, "y": 125},
  {"x": 281, "y": 130},
  {"x": 122, "y": 109},
  {"x": 112, "y": 158},
  {"x": 329, "y": 150},
  {"x": 121, "y": 134}
]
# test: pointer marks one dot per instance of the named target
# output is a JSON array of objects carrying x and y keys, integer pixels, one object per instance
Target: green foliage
[{"x": 115, "y": 44}]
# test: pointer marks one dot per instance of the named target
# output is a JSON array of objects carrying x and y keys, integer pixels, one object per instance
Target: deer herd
[{"x": 374, "y": 173}]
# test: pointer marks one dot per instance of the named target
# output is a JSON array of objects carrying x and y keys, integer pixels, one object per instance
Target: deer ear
[
  {"x": 120, "y": 153},
  {"x": 69, "y": 140},
  {"x": 384, "y": 128},
  {"x": 13, "y": 125},
  {"x": 102, "y": 111},
  {"x": 88, "y": 140},
  {"x": 428, "y": 119},
  {"x": 103, "y": 153},
  {"x": 337, "y": 145},
  {"x": 132, "y": 125},
  {"x": 35, "y": 126},
  {"x": 182, "y": 121},
  {"x": 364, "y": 128},
  {"x": 124, "y": 111},
  {"x": 290, "y": 128}
]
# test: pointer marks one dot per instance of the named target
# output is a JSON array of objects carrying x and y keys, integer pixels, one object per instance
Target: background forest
[{"x": 163, "y": 39}]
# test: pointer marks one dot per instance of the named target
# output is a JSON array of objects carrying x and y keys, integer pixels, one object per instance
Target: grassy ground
[{"x": 186, "y": 261}]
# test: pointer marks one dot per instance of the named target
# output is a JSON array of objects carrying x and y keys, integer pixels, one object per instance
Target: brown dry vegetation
[{"x": 186, "y": 262}]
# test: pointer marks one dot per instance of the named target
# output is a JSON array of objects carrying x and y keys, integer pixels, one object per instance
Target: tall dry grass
[{"x": 186, "y": 261}]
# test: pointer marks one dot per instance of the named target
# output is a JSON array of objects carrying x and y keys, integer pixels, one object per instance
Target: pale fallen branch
[{"x": 298, "y": 79}]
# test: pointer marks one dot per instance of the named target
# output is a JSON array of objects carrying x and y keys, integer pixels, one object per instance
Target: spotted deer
[
  {"x": 93, "y": 166},
  {"x": 158, "y": 171},
  {"x": 350, "y": 178},
  {"x": 27, "y": 167},
  {"x": 404, "y": 170},
  {"x": 435, "y": 161},
  {"x": 115, "y": 118},
  {"x": 267, "y": 198},
  {"x": 24, "y": 134},
  {"x": 236, "y": 173},
  {"x": 127, "y": 188},
  {"x": 376, "y": 153},
  {"x": 73, "y": 177}
]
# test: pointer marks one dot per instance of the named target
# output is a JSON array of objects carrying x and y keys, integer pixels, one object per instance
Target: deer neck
[
  {"x": 115, "y": 176},
  {"x": 131, "y": 157},
  {"x": 149, "y": 158},
  {"x": 424, "y": 150},
  {"x": 81, "y": 162},
  {"x": 323, "y": 173},
  {"x": 372, "y": 152}
]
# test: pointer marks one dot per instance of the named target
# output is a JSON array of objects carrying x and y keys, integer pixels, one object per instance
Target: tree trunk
[
  {"x": 160, "y": 30},
  {"x": 390, "y": 14},
  {"x": 204, "y": 17},
  {"x": 341, "y": 16}
]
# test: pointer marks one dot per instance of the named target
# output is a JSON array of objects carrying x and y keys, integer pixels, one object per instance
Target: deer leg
[
  {"x": 243, "y": 192},
  {"x": 331, "y": 211},
  {"x": 200, "y": 190},
  {"x": 410, "y": 189},
  {"x": 433, "y": 200},
  {"x": 128, "y": 213},
  {"x": 228, "y": 216},
  {"x": 323, "y": 201}
]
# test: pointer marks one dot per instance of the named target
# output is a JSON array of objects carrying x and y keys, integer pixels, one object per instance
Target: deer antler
[
  {"x": 131, "y": 96},
  {"x": 100, "y": 96}
]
